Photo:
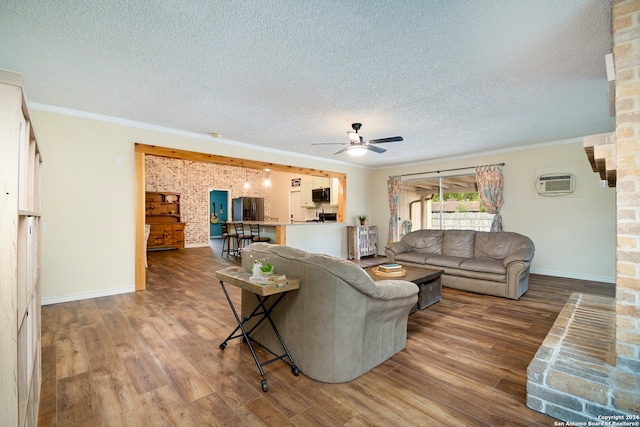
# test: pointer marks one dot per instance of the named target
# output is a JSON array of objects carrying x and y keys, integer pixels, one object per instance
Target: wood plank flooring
[{"x": 151, "y": 358}]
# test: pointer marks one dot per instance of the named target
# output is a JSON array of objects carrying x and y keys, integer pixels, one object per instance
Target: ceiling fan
[{"x": 358, "y": 146}]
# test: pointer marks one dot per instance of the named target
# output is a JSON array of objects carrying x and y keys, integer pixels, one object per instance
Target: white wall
[
  {"x": 88, "y": 199},
  {"x": 574, "y": 235},
  {"x": 88, "y": 203}
]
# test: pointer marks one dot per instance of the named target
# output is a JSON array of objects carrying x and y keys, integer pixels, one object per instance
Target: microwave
[{"x": 321, "y": 195}]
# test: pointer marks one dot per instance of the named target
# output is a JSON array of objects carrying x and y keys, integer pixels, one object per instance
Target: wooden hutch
[{"x": 163, "y": 215}]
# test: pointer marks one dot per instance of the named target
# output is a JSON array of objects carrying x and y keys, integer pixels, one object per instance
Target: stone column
[{"x": 626, "y": 50}]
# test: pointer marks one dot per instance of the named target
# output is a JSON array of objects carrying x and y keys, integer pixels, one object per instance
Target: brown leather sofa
[
  {"x": 492, "y": 263},
  {"x": 340, "y": 323}
]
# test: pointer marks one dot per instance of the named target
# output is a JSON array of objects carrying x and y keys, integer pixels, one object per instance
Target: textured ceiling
[{"x": 453, "y": 77}]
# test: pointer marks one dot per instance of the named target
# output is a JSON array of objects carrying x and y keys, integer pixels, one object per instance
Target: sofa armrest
[
  {"x": 399, "y": 247},
  {"x": 523, "y": 255},
  {"x": 395, "y": 289}
]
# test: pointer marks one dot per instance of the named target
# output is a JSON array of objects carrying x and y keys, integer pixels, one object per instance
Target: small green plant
[
  {"x": 266, "y": 267},
  {"x": 362, "y": 218}
]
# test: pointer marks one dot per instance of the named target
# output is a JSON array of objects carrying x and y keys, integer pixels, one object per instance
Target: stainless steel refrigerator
[{"x": 248, "y": 209}]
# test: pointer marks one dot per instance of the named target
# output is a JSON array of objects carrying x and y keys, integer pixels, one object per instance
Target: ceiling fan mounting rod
[{"x": 356, "y": 126}]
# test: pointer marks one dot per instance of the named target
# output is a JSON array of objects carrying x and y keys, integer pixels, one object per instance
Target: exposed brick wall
[
  {"x": 588, "y": 366},
  {"x": 626, "y": 37},
  {"x": 193, "y": 180}
]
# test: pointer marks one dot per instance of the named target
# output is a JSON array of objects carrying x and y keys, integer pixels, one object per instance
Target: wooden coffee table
[{"x": 427, "y": 279}]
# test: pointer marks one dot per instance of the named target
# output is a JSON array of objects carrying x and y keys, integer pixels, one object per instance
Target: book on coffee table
[{"x": 387, "y": 268}]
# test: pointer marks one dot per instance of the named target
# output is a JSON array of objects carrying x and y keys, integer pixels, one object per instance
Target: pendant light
[{"x": 246, "y": 180}]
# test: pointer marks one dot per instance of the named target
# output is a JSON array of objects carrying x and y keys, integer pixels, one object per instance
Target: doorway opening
[
  {"x": 218, "y": 212},
  {"x": 142, "y": 150}
]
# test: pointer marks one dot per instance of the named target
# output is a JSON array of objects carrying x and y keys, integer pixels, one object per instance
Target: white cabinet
[
  {"x": 335, "y": 192},
  {"x": 362, "y": 241},
  {"x": 20, "y": 207},
  {"x": 308, "y": 184},
  {"x": 320, "y": 182},
  {"x": 305, "y": 194}
]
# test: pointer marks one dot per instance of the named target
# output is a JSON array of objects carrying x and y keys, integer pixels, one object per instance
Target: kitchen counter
[
  {"x": 281, "y": 223},
  {"x": 329, "y": 237}
]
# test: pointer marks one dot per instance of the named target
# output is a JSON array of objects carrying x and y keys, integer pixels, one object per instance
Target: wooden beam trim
[
  {"x": 231, "y": 161},
  {"x": 139, "y": 209}
]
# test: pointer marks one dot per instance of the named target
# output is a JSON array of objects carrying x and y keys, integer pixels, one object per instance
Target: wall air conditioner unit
[{"x": 556, "y": 184}]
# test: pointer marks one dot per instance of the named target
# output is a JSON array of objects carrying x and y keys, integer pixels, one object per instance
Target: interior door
[
  {"x": 297, "y": 212},
  {"x": 218, "y": 211}
]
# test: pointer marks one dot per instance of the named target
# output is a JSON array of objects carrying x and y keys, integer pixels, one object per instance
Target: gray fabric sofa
[
  {"x": 493, "y": 263},
  {"x": 340, "y": 323}
]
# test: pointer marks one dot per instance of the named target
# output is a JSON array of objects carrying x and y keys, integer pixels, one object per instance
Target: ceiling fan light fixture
[{"x": 357, "y": 150}]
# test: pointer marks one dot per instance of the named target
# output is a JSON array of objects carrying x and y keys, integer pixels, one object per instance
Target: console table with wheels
[{"x": 268, "y": 293}]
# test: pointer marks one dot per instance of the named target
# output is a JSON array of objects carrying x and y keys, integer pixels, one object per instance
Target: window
[{"x": 442, "y": 203}]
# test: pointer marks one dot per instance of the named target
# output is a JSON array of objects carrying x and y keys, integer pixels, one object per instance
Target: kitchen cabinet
[
  {"x": 162, "y": 213},
  {"x": 320, "y": 182},
  {"x": 362, "y": 241},
  {"x": 20, "y": 228},
  {"x": 305, "y": 194},
  {"x": 308, "y": 184},
  {"x": 335, "y": 191}
]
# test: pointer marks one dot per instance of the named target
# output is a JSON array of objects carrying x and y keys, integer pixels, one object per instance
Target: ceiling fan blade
[
  {"x": 329, "y": 143},
  {"x": 383, "y": 140},
  {"x": 365, "y": 146},
  {"x": 342, "y": 151},
  {"x": 374, "y": 148}
]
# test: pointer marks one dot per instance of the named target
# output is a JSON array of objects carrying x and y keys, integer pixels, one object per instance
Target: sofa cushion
[
  {"x": 451, "y": 274},
  {"x": 398, "y": 247},
  {"x": 446, "y": 261},
  {"x": 395, "y": 289},
  {"x": 346, "y": 270},
  {"x": 425, "y": 241},
  {"x": 498, "y": 245},
  {"x": 413, "y": 257},
  {"x": 485, "y": 265},
  {"x": 459, "y": 243}
]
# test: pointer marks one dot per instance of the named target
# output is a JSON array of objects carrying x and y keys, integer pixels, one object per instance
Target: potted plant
[
  {"x": 362, "y": 219},
  {"x": 267, "y": 268},
  {"x": 262, "y": 268}
]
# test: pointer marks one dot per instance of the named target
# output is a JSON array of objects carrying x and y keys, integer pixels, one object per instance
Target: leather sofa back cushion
[
  {"x": 499, "y": 245},
  {"x": 459, "y": 243},
  {"x": 344, "y": 269},
  {"x": 425, "y": 241}
]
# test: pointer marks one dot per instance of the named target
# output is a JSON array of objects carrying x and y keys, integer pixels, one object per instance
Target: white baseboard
[
  {"x": 568, "y": 275},
  {"x": 196, "y": 245},
  {"x": 87, "y": 295}
]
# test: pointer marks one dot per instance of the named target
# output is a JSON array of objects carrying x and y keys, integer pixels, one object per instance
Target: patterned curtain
[
  {"x": 490, "y": 182},
  {"x": 393, "y": 185}
]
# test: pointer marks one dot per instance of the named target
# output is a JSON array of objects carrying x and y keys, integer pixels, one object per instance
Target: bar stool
[
  {"x": 229, "y": 239},
  {"x": 255, "y": 234},
  {"x": 242, "y": 238}
]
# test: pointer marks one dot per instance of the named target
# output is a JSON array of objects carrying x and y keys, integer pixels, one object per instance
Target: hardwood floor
[{"x": 151, "y": 358}]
